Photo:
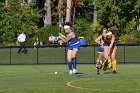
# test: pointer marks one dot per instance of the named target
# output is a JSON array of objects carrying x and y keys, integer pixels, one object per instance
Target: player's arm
[
  {"x": 61, "y": 35},
  {"x": 111, "y": 44},
  {"x": 66, "y": 39},
  {"x": 98, "y": 40}
]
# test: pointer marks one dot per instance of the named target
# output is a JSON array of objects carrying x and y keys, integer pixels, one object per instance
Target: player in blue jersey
[{"x": 73, "y": 47}]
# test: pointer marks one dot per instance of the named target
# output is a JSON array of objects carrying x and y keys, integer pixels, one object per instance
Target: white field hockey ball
[{"x": 56, "y": 73}]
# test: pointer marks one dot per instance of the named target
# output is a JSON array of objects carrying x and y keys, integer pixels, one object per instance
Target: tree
[
  {"x": 47, "y": 20},
  {"x": 116, "y": 12},
  {"x": 15, "y": 20},
  {"x": 60, "y": 9},
  {"x": 6, "y": 2},
  {"x": 69, "y": 11}
]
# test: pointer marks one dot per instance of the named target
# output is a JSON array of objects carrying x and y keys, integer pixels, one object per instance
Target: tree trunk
[
  {"x": 69, "y": 11},
  {"x": 60, "y": 4},
  {"x": 29, "y": 1},
  {"x": 138, "y": 20},
  {"x": 6, "y": 2},
  {"x": 94, "y": 16},
  {"x": 47, "y": 7}
]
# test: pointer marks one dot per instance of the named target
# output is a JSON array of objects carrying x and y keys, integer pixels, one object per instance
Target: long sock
[
  {"x": 114, "y": 64},
  {"x": 74, "y": 62},
  {"x": 109, "y": 62},
  {"x": 70, "y": 65},
  {"x": 97, "y": 63}
]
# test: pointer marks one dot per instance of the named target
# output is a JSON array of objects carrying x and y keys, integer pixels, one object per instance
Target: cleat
[
  {"x": 114, "y": 72},
  {"x": 70, "y": 72},
  {"x": 98, "y": 71},
  {"x": 74, "y": 71}
]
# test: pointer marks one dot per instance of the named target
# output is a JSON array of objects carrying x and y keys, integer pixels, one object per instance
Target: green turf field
[{"x": 41, "y": 79}]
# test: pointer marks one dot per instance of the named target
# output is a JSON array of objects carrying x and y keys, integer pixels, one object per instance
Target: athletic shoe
[
  {"x": 70, "y": 72},
  {"x": 74, "y": 71},
  {"x": 98, "y": 71},
  {"x": 114, "y": 72}
]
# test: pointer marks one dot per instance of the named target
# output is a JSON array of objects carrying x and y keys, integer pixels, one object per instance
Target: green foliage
[
  {"x": 45, "y": 32},
  {"x": 116, "y": 12},
  {"x": 15, "y": 19},
  {"x": 122, "y": 13},
  {"x": 127, "y": 38},
  {"x": 133, "y": 37},
  {"x": 98, "y": 27},
  {"x": 84, "y": 28},
  {"x": 137, "y": 36},
  {"x": 130, "y": 26}
]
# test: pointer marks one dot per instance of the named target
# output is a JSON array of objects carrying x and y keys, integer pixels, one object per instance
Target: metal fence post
[
  {"x": 65, "y": 55},
  {"x": 94, "y": 53},
  {"x": 10, "y": 56},
  {"x": 37, "y": 55},
  {"x": 124, "y": 53}
]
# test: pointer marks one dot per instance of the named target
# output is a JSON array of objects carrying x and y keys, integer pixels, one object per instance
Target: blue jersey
[
  {"x": 114, "y": 44},
  {"x": 82, "y": 42},
  {"x": 73, "y": 43},
  {"x": 100, "y": 49}
]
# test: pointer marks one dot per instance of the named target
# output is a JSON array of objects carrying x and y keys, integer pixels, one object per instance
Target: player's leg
[
  {"x": 105, "y": 57},
  {"x": 113, "y": 57},
  {"x": 69, "y": 61},
  {"x": 74, "y": 52},
  {"x": 98, "y": 63},
  {"x": 109, "y": 62},
  {"x": 99, "y": 60},
  {"x": 100, "y": 54}
]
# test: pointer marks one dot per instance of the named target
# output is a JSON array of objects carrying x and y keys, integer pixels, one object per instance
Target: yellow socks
[
  {"x": 114, "y": 64},
  {"x": 97, "y": 63},
  {"x": 109, "y": 63}
]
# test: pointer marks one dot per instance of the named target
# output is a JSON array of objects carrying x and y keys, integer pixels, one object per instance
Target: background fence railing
[{"x": 55, "y": 54}]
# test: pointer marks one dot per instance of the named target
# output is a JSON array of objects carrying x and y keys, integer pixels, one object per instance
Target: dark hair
[
  {"x": 113, "y": 29},
  {"x": 67, "y": 23}
]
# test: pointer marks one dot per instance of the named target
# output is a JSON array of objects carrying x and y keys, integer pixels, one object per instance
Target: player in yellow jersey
[
  {"x": 110, "y": 48},
  {"x": 100, "y": 51}
]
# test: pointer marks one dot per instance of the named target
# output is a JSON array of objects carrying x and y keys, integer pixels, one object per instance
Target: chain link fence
[{"x": 55, "y": 54}]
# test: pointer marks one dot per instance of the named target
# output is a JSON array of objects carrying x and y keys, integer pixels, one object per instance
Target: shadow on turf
[
  {"x": 110, "y": 73},
  {"x": 75, "y": 73},
  {"x": 79, "y": 73}
]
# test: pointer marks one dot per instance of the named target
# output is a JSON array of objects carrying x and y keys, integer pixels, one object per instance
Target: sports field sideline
[{"x": 42, "y": 79}]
